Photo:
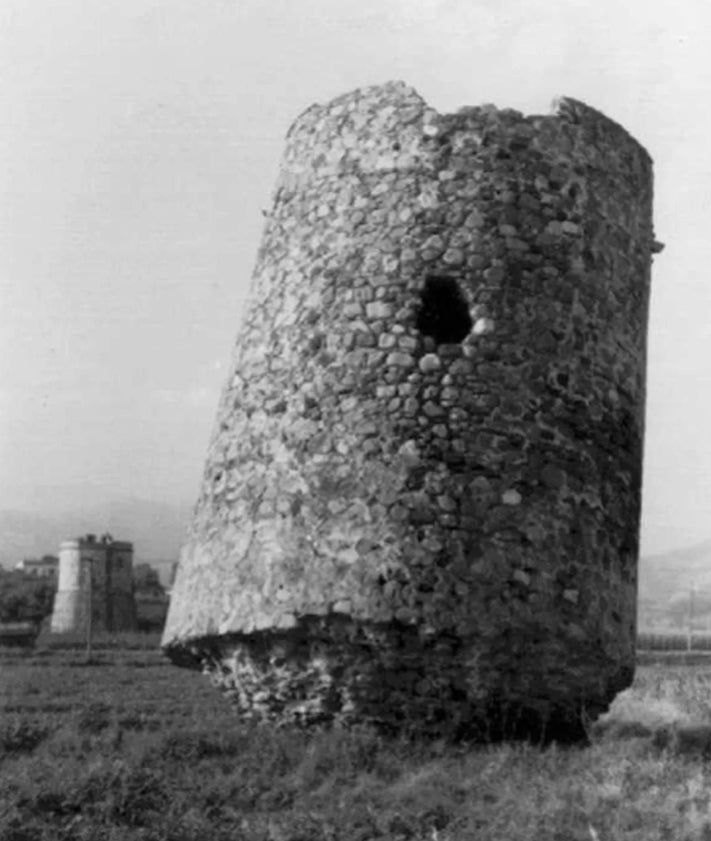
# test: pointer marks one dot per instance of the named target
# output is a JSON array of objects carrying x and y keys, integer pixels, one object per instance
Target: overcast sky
[{"x": 140, "y": 140}]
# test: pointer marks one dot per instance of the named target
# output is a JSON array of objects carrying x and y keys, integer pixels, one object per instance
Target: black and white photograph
[{"x": 355, "y": 405}]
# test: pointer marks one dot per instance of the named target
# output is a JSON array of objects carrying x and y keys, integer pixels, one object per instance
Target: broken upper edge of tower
[
  {"x": 324, "y": 139},
  {"x": 562, "y": 107}
]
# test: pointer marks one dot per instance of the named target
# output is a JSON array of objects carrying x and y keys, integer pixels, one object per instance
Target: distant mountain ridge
[
  {"x": 666, "y": 583},
  {"x": 156, "y": 529}
]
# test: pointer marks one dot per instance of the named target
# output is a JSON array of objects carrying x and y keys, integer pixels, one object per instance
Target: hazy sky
[{"x": 140, "y": 140}]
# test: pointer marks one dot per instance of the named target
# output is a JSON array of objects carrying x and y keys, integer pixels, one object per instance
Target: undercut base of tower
[{"x": 339, "y": 671}]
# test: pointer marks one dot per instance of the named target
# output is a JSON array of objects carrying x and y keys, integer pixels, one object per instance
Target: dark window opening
[{"x": 444, "y": 313}]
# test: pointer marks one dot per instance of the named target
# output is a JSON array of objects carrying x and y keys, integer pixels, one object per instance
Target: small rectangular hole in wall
[{"x": 444, "y": 312}]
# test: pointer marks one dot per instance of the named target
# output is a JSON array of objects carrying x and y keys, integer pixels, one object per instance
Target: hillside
[{"x": 665, "y": 583}]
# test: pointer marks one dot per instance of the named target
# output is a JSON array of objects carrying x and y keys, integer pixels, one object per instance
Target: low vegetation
[
  {"x": 126, "y": 746},
  {"x": 24, "y": 598},
  {"x": 674, "y": 641}
]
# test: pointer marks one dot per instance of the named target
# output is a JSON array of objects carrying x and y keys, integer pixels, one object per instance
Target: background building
[
  {"x": 45, "y": 567},
  {"x": 95, "y": 575}
]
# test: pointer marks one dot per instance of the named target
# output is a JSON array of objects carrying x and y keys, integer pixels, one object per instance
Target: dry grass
[{"x": 130, "y": 747}]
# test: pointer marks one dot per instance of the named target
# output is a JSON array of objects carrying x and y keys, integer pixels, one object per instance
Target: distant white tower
[{"x": 108, "y": 565}]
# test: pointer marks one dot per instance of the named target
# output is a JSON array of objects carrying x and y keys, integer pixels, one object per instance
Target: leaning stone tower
[{"x": 421, "y": 500}]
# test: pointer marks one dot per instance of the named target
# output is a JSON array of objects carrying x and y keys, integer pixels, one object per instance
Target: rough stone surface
[{"x": 421, "y": 500}]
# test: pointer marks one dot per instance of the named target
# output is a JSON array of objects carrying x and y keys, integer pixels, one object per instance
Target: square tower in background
[{"x": 95, "y": 575}]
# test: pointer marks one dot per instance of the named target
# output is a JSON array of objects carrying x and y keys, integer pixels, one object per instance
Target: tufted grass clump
[
  {"x": 20, "y": 734},
  {"x": 94, "y": 717}
]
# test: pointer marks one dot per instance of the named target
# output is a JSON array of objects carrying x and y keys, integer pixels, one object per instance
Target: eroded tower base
[{"x": 336, "y": 670}]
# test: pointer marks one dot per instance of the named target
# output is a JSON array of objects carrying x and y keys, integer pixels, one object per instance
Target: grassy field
[{"x": 129, "y": 747}]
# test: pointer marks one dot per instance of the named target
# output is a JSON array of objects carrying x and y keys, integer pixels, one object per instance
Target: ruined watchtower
[
  {"x": 96, "y": 573},
  {"x": 421, "y": 500}
]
